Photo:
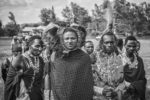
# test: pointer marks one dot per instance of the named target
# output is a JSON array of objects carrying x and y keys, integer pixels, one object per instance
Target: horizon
[{"x": 28, "y": 11}]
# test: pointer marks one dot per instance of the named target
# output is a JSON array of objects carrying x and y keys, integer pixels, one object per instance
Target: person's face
[
  {"x": 15, "y": 40},
  {"x": 36, "y": 47},
  {"x": 89, "y": 47},
  {"x": 130, "y": 47},
  {"x": 70, "y": 40},
  {"x": 109, "y": 43},
  {"x": 16, "y": 53}
]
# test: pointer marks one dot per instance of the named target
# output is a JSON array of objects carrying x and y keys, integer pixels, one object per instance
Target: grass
[{"x": 144, "y": 53}]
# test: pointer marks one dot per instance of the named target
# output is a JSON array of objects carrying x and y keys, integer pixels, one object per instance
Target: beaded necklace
[
  {"x": 36, "y": 61},
  {"x": 126, "y": 60},
  {"x": 107, "y": 66},
  {"x": 31, "y": 65}
]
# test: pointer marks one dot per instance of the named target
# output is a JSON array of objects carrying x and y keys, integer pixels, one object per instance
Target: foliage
[
  {"x": 47, "y": 15},
  {"x": 12, "y": 17},
  {"x": 11, "y": 29},
  {"x": 133, "y": 15},
  {"x": 129, "y": 17},
  {"x": 1, "y": 29},
  {"x": 76, "y": 14},
  {"x": 98, "y": 18},
  {"x": 66, "y": 12}
]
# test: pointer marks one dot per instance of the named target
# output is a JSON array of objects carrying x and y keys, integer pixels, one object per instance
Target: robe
[
  {"x": 136, "y": 76},
  {"x": 26, "y": 73},
  {"x": 71, "y": 77}
]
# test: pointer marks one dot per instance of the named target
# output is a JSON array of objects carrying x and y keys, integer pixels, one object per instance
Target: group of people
[{"x": 67, "y": 67}]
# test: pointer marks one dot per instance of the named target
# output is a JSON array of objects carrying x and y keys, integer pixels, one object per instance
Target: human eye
[{"x": 73, "y": 38}]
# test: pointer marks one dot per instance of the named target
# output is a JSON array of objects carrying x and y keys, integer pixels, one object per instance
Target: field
[{"x": 144, "y": 53}]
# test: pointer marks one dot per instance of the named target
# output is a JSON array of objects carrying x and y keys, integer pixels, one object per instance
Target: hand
[
  {"x": 98, "y": 90},
  {"x": 106, "y": 91},
  {"x": 109, "y": 92},
  {"x": 127, "y": 84},
  {"x": 131, "y": 89},
  {"x": 121, "y": 87}
]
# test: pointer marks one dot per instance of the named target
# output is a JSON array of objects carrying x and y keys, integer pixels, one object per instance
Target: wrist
[{"x": 98, "y": 90}]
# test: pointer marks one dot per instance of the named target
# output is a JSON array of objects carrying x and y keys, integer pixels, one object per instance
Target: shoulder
[
  {"x": 84, "y": 53},
  {"x": 41, "y": 59},
  {"x": 139, "y": 58}
]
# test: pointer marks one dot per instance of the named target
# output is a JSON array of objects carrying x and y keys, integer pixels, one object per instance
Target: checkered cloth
[{"x": 72, "y": 77}]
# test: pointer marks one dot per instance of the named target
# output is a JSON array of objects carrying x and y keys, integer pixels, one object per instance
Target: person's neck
[
  {"x": 130, "y": 56},
  {"x": 109, "y": 53},
  {"x": 88, "y": 53},
  {"x": 30, "y": 54}
]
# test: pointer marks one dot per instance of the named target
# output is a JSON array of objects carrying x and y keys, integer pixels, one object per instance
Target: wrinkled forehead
[
  {"x": 131, "y": 42},
  {"x": 70, "y": 34},
  {"x": 89, "y": 44},
  {"x": 108, "y": 38},
  {"x": 37, "y": 42}
]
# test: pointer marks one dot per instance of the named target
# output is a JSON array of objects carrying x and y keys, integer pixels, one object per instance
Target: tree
[
  {"x": 47, "y": 15},
  {"x": 12, "y": 18},
  {"x": 76, "y": 14},
  {"x": 66, "y": 12},
  {"x": 136, "y": 16},
  {"x": 1, "y": 29},
  {"x": 11, "y": 29}
]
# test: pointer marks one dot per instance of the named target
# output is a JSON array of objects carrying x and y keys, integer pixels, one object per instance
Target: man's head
[
  {"x": 130, "y": 45},
  {"x": 16, "y": 50},
  {"x": 108, "y": 42},
  {"x": 35, "y": 45},
  {"x": 89, "y": 47},
  {"x": 15, "y": 38}
]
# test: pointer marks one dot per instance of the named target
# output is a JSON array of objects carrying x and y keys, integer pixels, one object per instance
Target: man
[
  {"x": 134, "y": 73},
  {"x": 25, "y": 76},
  {"x": 89, "y": 49},
  {"x": 108, "y": 72},
  {"x": 16, "y": 50}
]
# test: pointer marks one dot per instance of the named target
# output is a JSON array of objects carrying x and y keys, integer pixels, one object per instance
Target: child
[{"x": 89, "y": 49}]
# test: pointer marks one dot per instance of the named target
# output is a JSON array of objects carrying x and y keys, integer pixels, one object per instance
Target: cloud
[
  {"x": 13, "y": 3},
  {"x": 28, "y": 11}
]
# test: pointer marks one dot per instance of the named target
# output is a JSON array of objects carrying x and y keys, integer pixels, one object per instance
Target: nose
[
  {"x": 40, "y": 48},
  {"x": 70, "y": 40},
  {"x": 109, "y": 44}
]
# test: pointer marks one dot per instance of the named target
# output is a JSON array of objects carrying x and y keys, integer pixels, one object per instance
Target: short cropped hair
[
  {"x": 88, "y": 42},
  {"x": 32, "y": 38},
  {"x": 130, "y": 38}
]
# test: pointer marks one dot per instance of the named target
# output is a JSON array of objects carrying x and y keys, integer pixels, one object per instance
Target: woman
[
  {"x": 25, "y": 76},
  {"x": 71, "y": 74}
]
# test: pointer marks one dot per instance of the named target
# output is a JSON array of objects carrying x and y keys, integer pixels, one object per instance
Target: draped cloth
[
  {"x": 71, "y": 77},
  {"x": 136, "y": 76},
  {"x": 5, "y": 67},
  {"x": 25, "y": 73}
]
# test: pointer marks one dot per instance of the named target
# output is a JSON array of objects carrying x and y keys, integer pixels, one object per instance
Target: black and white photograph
[{"x": 74, "y": 49}]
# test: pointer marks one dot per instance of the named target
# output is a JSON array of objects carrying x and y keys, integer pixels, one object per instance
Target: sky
[{"x": 28, "y": 11}]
